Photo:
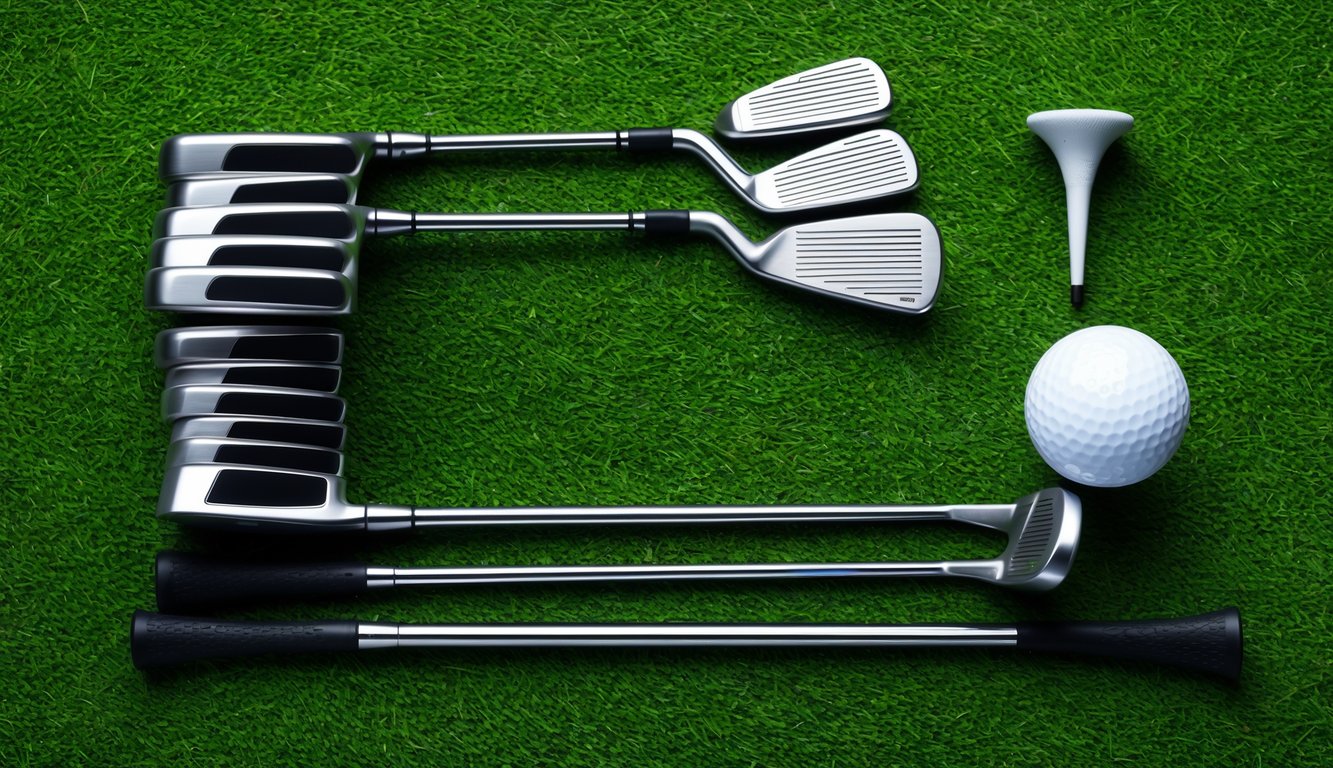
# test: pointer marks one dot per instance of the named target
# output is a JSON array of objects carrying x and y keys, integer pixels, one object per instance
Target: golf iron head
[
  {"x": 840, "y": 95},
  {"x": 229, "y": 400},
  {"x": 248, "y": 343},
  {"x": 271, "y": 291},
  {"x": 320, "y": 378},
  {"x": 269, "y": 429}
]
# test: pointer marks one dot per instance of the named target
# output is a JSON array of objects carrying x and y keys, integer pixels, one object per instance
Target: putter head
[
  {"x": 274, "y": 291},
  {"x": 857, "y": 169},
  {"x": 221, "y": 399},
  {"x": 319, "y": 378},
  {"x": 248, "y": 343},
  {"x": 253, "y": 251},
  {"x": 320, "y": 434},
  {"x": 260, "y": 498},
  {"x": 334, "y": 222},
  {"x": 223, "y": 450},
  {"x": 841, "y": 95},
  {"x": 890, "y": 261},
  {"x": 275, "y": 188},
  {"x": 206, "y": 154},
  {"x": 1043, "y": 537}
]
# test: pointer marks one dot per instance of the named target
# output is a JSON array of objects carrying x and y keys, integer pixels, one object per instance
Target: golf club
[
  {"x": 217, "y": 399},
  {"x": 321, "y": 378},
  {"x": 850, "y": 171},
  {"x": 248, "y": 343},
  {"x": 287, "y": 500},
  {"x": 320, "y": 434},
  {"x": 1209, "y": 643},
  {"x": 838, "y": 96},
  {"x": 890, "y": 261},
  {"x": 1038, "y": 557},
  {"x": 271, "y": 291}
]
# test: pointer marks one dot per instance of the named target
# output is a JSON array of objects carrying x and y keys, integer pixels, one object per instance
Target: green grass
[{"x": 597, "y": 369}]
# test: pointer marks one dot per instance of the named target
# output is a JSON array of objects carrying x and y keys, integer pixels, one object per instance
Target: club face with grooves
[
  {"x": 221, "y": 450},
  {"x": 272, "y": 291},
  {"x": 888, "y": 261},
  {"x": 320, "y": 378},
  {"x": 215, "y": 400},
  {"x": 319, "y": 434},
  {"x": 857, "y": 169},
  {"x": 844, "y": 94},
  {"x": 1043, "y": 538},
  {"x": 248, "y": 343}
]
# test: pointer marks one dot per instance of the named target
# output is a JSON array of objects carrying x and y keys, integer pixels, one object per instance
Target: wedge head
[
  {"x": 838, "y": 96},
  {"x": 253, "y": 343},
  {"x": 1043, "y": 538},
  {"x": 857, "y": 169}
]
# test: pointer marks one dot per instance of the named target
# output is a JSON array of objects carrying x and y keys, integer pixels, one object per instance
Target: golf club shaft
[
  {"x": 866, "y": 513},
  {"x": 190, "y": 583},
  {"x": 388, "y": 222},
  {"x": 1206, "y": 643}
]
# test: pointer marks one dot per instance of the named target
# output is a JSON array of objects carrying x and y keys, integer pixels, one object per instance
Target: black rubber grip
[
  {"x": 161, "y": 640},
  {"x": 192, "y": 583},
  {"x": 1210, "y": 642},
  {"x": 649, "y": 140},
  {"x": 666, "y": 222}
]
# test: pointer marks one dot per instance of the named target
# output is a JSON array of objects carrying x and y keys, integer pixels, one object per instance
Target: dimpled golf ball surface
[{"x": 1106, "y": 406}]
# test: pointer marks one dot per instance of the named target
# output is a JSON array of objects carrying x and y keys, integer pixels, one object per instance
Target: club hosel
[
  {"x": 383, "y": 221},
  {"x": 392, "y": 145},
  {"x": 381, "y": 517}
]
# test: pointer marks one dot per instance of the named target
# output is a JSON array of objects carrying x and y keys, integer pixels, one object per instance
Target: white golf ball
[{"x": 1107, "y": 406}]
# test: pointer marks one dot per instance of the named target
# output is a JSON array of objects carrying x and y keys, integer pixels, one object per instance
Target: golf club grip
[
  {"x": 190, "y": 583},
  {"x": 1210, "y": 642},
  {"x": 158, "y": 640}
]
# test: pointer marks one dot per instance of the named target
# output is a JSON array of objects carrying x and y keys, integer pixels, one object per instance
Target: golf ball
[{"x": 1106, "y": 406}]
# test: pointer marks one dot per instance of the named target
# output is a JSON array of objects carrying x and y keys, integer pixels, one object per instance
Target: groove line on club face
[{"x": 886, "y": 263}]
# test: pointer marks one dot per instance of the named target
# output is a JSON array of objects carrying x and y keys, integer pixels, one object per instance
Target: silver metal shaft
[
  {"x": 378, "y": 577},
  {"x": 676, "y": 635},
  {"x": 431, "y": 517}
]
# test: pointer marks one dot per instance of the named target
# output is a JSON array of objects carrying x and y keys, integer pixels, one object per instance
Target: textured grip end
[
  {"x": 1211, "y": 642},
  {"x": 190, "y": 583},
  {"x": 159, "y": 640}
]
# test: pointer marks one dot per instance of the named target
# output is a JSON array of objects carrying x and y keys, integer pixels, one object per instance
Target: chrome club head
[
  {"x": 206, "y": 154},
  {"x": 321, "y": 434},
  {"x": 258, "y": 497},
  {"x": 844, "y": 94},
  {"x": 253, "y": 251},
  {"x": 248, "y": 343},
  {"x": 250, "y": 291},
  {"x": 1043, "y": 530},
  {"x": 220, "y": 450},
  {"x": 344, "y": 223},
  {"x": 222, "y": 399},
  {"x": 320, "y": 378},
  {"x": 268, "y": 188},
  {"x": 888, "y": 261}
]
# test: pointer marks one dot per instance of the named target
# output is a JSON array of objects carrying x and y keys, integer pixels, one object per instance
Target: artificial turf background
[{"x": 513, "y": 369}]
